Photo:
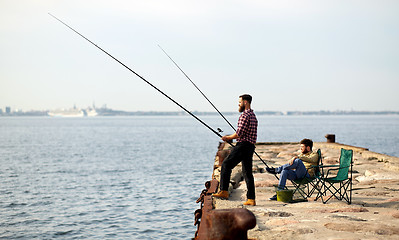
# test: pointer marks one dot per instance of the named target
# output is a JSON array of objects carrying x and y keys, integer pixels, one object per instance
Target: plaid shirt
[{"x": 247, "y": 127}]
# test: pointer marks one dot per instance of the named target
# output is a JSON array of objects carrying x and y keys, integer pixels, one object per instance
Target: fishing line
[
  {"x": 197, "y": 87},
  {"x": 207, "y": 99},
  {"x": 142, "y": 78}
]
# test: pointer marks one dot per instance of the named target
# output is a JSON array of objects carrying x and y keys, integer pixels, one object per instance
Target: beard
[
  {"x": 241, "y": 108},
  {"x": 305, "y": 151}
]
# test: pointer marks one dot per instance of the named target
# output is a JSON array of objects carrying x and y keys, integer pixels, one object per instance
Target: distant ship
[
  {"x": 73, "y": 112},
  {"x": 90, "y": 112}
]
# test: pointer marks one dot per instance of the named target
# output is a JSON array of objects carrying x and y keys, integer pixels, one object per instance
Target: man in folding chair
[{"x": 296, "y": 167}]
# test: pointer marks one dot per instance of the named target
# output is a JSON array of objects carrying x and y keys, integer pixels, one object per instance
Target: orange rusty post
[
  {"x": 222, "y": 224},
  {"x": 330, "y": 138},
  {"x": 206, "y": 207},
  {"x": 229, "y": 224}
]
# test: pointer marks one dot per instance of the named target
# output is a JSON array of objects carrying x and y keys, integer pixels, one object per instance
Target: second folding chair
[{"x": 338, "y": 184}]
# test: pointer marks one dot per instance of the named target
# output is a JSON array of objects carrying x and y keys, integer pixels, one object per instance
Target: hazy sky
[{"x": 289, "y": 55}]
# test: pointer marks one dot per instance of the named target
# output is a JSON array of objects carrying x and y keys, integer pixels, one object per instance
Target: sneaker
[
  {"x": 271, "y": 170},
  {"x": 274, "y": 198}
]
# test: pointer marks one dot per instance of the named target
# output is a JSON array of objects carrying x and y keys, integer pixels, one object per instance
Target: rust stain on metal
[
  {"x": 229, "y": 224},
  {"x": 213, "y": 186},
  {"x": 223, "y": 224}
]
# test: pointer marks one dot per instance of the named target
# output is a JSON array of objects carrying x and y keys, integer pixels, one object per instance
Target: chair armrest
[
  {"x": 332, "y": 169},
  {"x": 313, "y": 166},
  {"x": 323, "y": 166}
]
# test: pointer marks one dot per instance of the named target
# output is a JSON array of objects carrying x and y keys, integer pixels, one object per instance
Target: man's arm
[
  {"x": 311, "y": 158},
  {"x": 230, "y": 137}
]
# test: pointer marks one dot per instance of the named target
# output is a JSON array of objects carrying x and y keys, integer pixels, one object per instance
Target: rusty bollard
[
  {"x": 229, "y": 224},
  {"x": 206, "y": 202},
  {"x": 330, "y": 138},
  {"x": 221, "y": 145},
  {"x": 222, "y": 154}
]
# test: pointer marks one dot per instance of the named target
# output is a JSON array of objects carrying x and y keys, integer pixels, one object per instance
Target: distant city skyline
[
  {"x": 105, "y": 111},
  {"x": 104, "y": 106},
  {"x": 289, "y": 55}
]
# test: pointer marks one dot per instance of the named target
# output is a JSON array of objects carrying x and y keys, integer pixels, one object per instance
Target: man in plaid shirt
[{"x": 242, "y": 152}]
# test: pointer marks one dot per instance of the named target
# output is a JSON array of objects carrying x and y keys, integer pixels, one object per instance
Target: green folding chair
[
  {"x": 308, "y": 185},
  {"x": 340, "y": 184}
]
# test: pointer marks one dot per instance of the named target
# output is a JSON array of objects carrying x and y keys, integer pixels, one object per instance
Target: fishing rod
[
  {"x": 197, "y": 87},
  {"x": 142, "y": 78},
  {"x": 207, "y": 99}
]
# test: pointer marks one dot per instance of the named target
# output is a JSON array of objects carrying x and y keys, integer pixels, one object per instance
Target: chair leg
[
  {"x": 300, "y": 191},
  {"x": 347, "y": 197},
  {"x": 325, "y": 193},
  {"x": 340, "y": 193},
  {"x": 315, "y": 186},
  {"x": 333, "y": 192},
  {"x": 320, "y": 186},
  {"x": 350, "y": 194}
]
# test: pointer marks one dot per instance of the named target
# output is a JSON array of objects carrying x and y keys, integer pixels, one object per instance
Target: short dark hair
[
  {"x": 246, "y": 97},
  {"x": 307, "y": 143}
]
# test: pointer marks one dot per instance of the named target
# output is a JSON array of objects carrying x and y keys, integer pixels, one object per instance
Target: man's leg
[
  {"x": 301, "y": 170},
  {"x": 228, "y": 164},
  {"x": 247, "y": 170},
  {"x": 297, "y": 165},
  {"x": 287, "y": 172}
]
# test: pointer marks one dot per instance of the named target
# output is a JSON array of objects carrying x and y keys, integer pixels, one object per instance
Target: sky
[{"x": 289, "y": 55}]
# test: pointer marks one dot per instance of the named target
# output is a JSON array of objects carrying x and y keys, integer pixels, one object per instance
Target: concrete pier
[{"x": 373, "y": 214}]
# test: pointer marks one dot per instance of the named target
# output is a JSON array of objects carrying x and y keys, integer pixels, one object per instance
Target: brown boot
[
  {"x": 250, "y": 202},
  {"x": 222, "y": 194}
]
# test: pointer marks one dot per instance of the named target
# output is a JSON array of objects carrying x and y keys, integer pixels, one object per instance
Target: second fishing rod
[
  {"x": 142, "y": 78},
  {"x": 209, "y": 101}
]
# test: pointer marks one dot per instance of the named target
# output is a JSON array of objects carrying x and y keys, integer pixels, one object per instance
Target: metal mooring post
[
  {"x": 330, "y": 138},
  {"x": 221, "y": 224}
]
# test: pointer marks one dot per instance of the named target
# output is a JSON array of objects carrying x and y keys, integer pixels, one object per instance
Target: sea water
[{"x": 135, "y": 177}]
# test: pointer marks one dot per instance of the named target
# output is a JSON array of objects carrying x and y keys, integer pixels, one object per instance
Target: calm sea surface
[{"x": 134, "y": 177}]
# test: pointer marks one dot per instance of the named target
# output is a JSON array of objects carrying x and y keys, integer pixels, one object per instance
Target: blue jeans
[{"x": 287, "y": 172}]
